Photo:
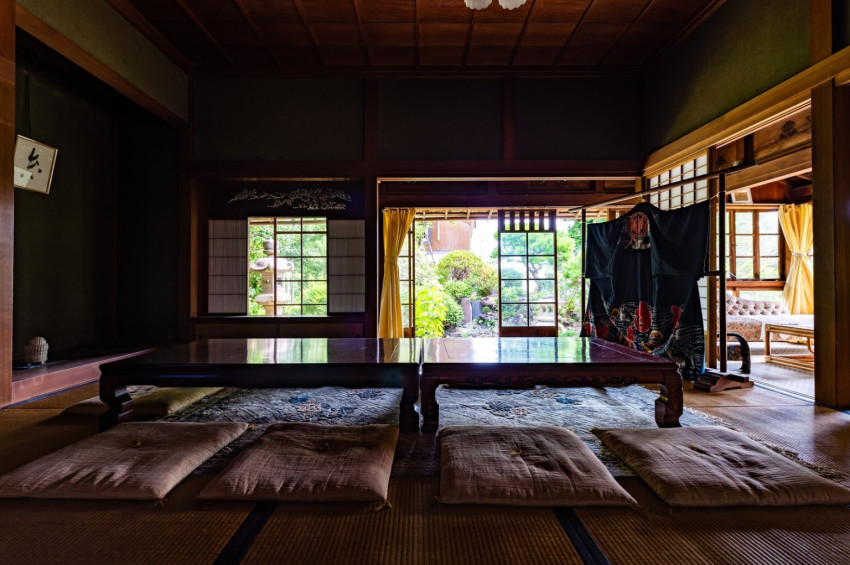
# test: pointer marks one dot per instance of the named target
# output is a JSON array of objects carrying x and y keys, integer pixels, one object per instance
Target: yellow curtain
[
  {"x": 796, "y": 222},
  {"x": 396, "y": 225}
]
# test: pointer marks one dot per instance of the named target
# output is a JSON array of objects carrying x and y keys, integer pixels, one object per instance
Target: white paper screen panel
[
  {"x": 227, "y": 276},
  {"x": 346, "y": 266}
]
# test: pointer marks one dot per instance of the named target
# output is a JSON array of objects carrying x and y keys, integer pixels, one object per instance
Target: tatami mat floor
[{"x": 418, "y": 529}]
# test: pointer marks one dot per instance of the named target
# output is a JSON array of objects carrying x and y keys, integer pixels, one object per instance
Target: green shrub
[
  {"x": 454, "y": 312},
  {"x": 478, "y": 279},
  {"x": 431, "y": 311}
]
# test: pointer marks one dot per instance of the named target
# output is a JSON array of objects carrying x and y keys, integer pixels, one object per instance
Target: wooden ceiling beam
[
  {"x": 191, "y": 15},
  {"x": 259, "y": 34}
]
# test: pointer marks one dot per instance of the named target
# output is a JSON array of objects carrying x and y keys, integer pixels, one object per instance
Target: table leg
[
  {"x": 408, "y": 419},
  {"x": 119, "y": 404},
  {"x": 669, "y": 404},
  {"x": 428, "y": 405}
]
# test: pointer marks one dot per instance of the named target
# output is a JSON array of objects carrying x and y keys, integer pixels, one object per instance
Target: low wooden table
[
  {"x": 269, "y": 363},
  {"x": 799, "y": 361},
  {"x": 568, "y": 361}
]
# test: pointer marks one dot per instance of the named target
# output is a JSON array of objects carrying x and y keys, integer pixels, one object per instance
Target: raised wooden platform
[{"x": 54, "y": 377}]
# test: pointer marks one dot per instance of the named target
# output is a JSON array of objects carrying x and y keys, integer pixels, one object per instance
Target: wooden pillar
[
  {"x": 7, "y": 193},
  {"x": 821, "y": 30},
  {"x": 831, "y": 206}
]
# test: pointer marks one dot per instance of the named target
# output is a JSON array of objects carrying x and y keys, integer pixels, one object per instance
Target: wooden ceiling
[{"x": 541, "y": 37}]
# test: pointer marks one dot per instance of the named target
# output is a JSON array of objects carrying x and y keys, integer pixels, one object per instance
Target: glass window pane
[
  {"x": 541, "y": 267},
  {"x": 768, "y": 246},
  {"x": 288, "y": 245},
  {"x": 314, "y": 224},
  {"x": 541, "y": 291},
  {"x": 514, "y": 291},
  {"x": 542, "y": 314},
  {"x": 315, "y": 269},
  {"x": 743, "y": 222},
  {"x": 768, "y": 222},
  {"x": 514, "y": 315},
  {"x": 744, "y": 246},
  {"x": 288, "y": 269},
  {"x": 744, "y": 269},
  {"x": 289, "y": 310},
  {"x": 314, "y": 310},
  {"x": 541, "y": 244},
  {"x": 404, "y": 292},
  {"x": 288, "y": 224},
  {"x": 315, "y": 292},
  {"x": 405, "y": 315},
  {"x": 513, "y": 268},
  {"x": 513, "y": 243},
  {"x": 769, "y": 268},
  {"x": 315, "y": 245}
]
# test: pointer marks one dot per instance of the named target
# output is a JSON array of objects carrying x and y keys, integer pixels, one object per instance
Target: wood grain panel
[
  {"x": 272, "y": 12},
  {"x": 559, "y": 11},
  {"x": 250, "y": 36},
  {"x": 443, "y": 34},
  {"x": 326, "y": 10},
  {"x": 386, "y": 10},
  {"x": 7, "y": 196},
  {"x": 391, "y": 34}
]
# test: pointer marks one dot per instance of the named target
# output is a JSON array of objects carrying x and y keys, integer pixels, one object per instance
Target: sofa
[{"x": 748, "y": 317}]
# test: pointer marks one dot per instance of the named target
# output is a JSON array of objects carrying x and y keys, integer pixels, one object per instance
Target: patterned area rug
[{"x": 577, "y": 409}]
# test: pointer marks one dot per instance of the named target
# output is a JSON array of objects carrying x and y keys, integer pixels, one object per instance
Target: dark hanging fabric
[{"x": 643, "y": 269}]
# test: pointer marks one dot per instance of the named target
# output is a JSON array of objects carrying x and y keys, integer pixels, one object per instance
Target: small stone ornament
[{"x": 35, "y": 352}]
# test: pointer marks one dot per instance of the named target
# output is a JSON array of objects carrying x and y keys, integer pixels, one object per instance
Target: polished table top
[
  {"x": 281, "y": 351},
  {"x": 532, "y": 350}
]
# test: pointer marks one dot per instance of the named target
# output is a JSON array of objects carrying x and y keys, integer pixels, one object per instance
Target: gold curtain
[
  {"x": 796, "y": 222},
  {"x": 396, "y": 225}
]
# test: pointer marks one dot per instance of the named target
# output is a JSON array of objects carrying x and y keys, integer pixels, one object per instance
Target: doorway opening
[{"x": 492, "y": 272}]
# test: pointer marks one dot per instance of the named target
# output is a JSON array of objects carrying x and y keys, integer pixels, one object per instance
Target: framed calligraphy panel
[{"x": 34, "y": 164}]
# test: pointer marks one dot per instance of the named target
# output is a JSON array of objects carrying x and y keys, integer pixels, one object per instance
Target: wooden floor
[{"x": 778, "y": 377}]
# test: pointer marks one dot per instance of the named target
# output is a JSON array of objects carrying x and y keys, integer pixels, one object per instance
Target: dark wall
[
  {"x": 742, "y": 50},
  {"x": 113, "y": 200},
  {"x": 278, "y": 119},
  {"x": 439, "y": 119},
  {"x": 578, "y": 119},
  {"x": 147, "y": 234},
  {"x": 417, "y": 119}
]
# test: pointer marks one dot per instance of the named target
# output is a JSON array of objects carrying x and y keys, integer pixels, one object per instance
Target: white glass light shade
[
  {"x": 511, "y": 4},
  {"x": 477, "y": 4}
]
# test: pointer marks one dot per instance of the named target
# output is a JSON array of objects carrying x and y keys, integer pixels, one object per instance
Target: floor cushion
[
  {"x": 716, "y": 466},
  {"x": 309, "y": 463},
  {"x": 148, "y": 401},
  {"x": 523, "y": 466},
  {"x": 135, "y": 460}
]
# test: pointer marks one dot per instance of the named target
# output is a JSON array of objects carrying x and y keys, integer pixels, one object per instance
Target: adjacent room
[{"x": 421, "y": 281}]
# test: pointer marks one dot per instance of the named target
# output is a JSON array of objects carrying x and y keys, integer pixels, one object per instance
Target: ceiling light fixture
[{"x": 481, "y": 4}]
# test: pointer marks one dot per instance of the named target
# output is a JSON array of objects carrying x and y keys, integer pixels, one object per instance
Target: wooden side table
[{"x": 804, "y": 361}]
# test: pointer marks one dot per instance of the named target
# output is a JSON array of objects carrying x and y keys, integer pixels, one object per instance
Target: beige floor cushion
[
  {"x": 136, "y": 460},
  {"x": 311, "y": 462},
  {"x": 540, "y": 466},
  {"x": 148, "y": 401},
  {"x": 716, "y": 466}
]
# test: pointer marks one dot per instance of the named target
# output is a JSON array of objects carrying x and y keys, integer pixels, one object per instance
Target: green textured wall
[
  {"x": 742, "y": 50},
  {"x": 104, "y": 34},
  {"x": 278, "y": 119}
]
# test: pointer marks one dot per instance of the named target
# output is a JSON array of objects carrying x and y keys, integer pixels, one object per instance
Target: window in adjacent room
[
  {"x": 755, "y": 251},
  {"x": 287, "y": 266}
]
